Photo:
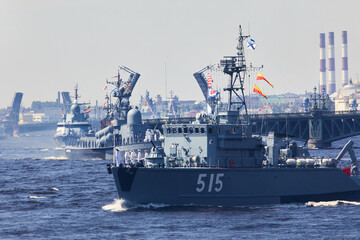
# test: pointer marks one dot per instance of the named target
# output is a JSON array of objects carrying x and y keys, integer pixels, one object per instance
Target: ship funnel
[
  {"x": 332, "y": 87},
  {"x": 345, "y": 77},
  {"x": 322, "y": 63}
]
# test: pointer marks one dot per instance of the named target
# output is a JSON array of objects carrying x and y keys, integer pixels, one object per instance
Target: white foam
[
  {"x": 36, "y": 197},
  {"x": 59, "y": 148},
  {"x": 55, "y": 158},
  {"x": 331, "y": 203},
  {"x": 54, "y": 188},
  {"x": 116, "y": 206},
  {"x": 154, "y": 205},
  {"x": 44, "y": 150}
]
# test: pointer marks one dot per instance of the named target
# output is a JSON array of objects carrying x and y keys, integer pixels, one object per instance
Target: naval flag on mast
[
  {"x": 257, "y": 90},
  {"x": 251, "y": 44},
  {"x": 209, "y": 80}
]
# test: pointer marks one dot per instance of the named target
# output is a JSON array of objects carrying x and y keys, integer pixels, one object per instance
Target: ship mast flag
[
  {"x": 257, "y": 90},
  {"x": 251, "y": 44},
  {"x": 261, "y": 77},
  {"x": 209, "y": 80}
]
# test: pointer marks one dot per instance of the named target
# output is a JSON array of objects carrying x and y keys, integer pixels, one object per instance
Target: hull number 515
[{"x": 209, "y": 183}]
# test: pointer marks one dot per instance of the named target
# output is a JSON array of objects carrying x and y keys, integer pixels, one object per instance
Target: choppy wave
[
  {"x": 116, "y": 206},
  {"x": 331, "y": 203}
]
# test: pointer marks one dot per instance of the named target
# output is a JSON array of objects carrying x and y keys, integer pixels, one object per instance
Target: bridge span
[{"x": 319, "y": 128}]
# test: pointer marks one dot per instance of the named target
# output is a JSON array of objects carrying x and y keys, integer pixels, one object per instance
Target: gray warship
[
  {"x": 74, "y": 125},
  {"x": 122, "y": 127},
  {"x": 216, "y": 161}
]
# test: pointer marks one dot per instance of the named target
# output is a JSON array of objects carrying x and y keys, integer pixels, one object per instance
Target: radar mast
[{"x": 235, "y": 67}]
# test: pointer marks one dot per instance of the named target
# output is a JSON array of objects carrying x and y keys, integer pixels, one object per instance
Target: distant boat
[{"x": 73, "y": 126}]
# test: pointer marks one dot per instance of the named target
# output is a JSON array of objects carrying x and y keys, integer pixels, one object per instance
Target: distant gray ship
[
  {"x": 215, "y": 161},
  {"x": 73, "y": 126}
]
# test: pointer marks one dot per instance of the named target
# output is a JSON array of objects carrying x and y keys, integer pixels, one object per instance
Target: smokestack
[
  {"x": 345, "y": 77},
  {"x": 322, "y": 63},
  {"x": 332, "y": 87}
]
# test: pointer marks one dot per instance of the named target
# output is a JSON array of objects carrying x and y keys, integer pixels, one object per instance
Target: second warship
[{"x": 122, "y": 127}]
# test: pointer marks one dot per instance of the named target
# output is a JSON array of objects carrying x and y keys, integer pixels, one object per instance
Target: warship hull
[
  {"x": 234, "y": 186},
  {"x": 76, "y": 153}
]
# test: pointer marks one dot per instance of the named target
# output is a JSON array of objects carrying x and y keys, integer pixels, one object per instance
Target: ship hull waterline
[{"x": 233, "y": 187}]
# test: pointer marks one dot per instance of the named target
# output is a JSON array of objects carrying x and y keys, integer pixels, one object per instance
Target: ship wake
[
  {"x": 117, "y": 206},
  {"x": 120, "y": 205},
  {"x": 335, "y": 203}
]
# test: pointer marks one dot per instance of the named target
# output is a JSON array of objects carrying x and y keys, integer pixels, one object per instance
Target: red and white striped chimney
[
  {"x": 332, "y": 87},
  {"x": 345, "y": 76},
  {"x": 322, "y": 85}
]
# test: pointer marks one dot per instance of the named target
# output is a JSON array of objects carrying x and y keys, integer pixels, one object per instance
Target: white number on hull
[
  {"x": 201, "y": 182},
  {"x": 218, "y": 182}
]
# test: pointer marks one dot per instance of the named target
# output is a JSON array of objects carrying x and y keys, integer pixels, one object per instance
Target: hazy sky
[{"x": 49, "y": 46}]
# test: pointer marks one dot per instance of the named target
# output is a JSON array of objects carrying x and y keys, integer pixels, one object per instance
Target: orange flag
[
  {"x": 261, "y": 77},
  {"x": 257, "y": 90}
]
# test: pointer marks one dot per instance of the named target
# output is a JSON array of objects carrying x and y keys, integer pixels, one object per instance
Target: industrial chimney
[
  {"x": 322, "y": 85},
  {"x": 345, "y": 77},
  {"x": 332, "y": 87}
]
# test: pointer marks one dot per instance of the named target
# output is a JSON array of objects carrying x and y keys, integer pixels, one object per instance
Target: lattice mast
[{"x": 235, "y": 67}]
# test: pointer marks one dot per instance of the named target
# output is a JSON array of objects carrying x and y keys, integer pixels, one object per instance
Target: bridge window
[
  {"x": 202, "y": 130},
  {"x": 185, "y": 130},
  {"x": 191, "y": 130},
  {"x": 196, "y": 130},
  {"x": 168, "y": 130},
  {"x": 174, "y": 130},
  {"x": 180, "y": 130}
]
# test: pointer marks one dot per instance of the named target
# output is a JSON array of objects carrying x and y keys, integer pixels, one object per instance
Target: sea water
[{"x": 43, "y": 195}]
